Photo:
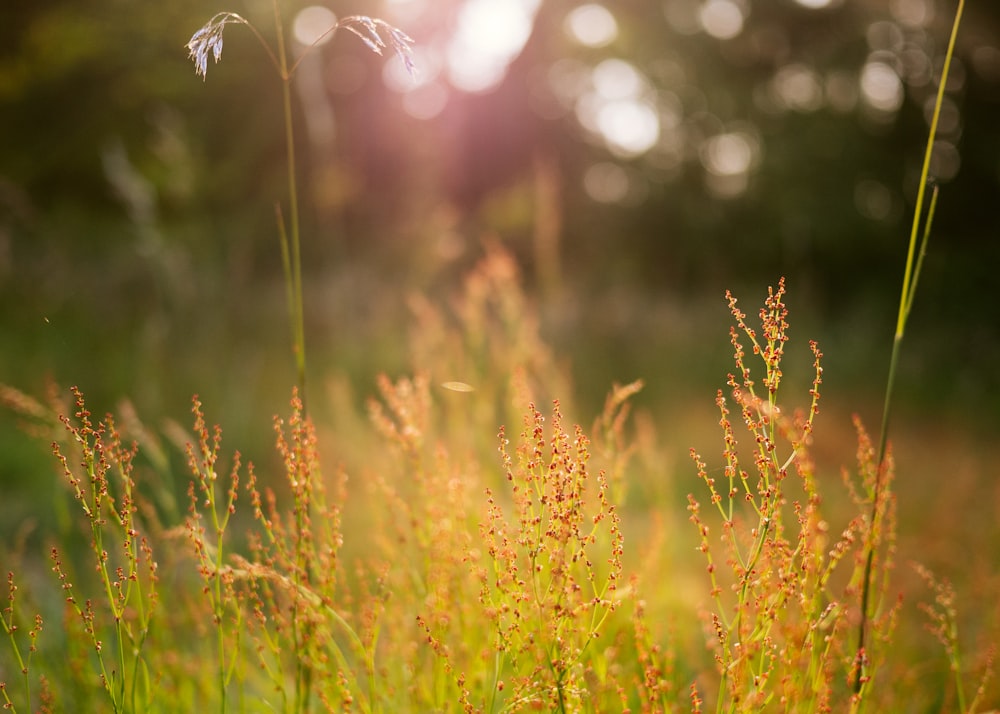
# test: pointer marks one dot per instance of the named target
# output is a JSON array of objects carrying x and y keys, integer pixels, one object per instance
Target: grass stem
[
  {"x": 910, "y": 277},
  {"x": 296, "y": 308}
]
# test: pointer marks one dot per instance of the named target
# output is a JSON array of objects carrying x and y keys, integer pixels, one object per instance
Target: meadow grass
[
  {"x": 447, "y": 563},
  {"x": 469, "y": 547}
]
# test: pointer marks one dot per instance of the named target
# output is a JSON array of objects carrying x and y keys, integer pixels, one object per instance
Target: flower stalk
[
  {"x": 378, "y": 36},
  {"x": 910, "y": 276}
]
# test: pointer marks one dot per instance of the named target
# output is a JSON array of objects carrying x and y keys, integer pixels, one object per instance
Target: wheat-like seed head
[{"x": 375, "y": 33}]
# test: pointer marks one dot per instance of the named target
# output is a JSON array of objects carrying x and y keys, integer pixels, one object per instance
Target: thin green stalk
[
  {"x": 296, "y": 308},
  {"x": 910, "y": 277},
  {"x": 10, "y": 628},
  {"x": 377, "y": 36}
]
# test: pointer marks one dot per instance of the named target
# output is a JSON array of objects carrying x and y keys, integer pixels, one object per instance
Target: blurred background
[{"x": 637, "y": 157}]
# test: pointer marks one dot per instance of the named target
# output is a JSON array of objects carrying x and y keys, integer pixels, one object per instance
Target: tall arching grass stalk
[
  {"x": 378, "y": 35},
  {"x": 910, "y": 276}
]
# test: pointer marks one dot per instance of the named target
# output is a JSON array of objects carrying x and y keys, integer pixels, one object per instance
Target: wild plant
[
  {"x": 11, "y": 620},
  {"x": 549, "y": 588},
  {"x": 280, "y": 602},
  {"x": 116, "y": 624},
  {"x": 378, "y": 36},
  {"x": 942, "y": 616},
  {"x": 782, "y": 603},
  {"x": 424, "y": 536},
  {"x": 479, "y": 575},
  {"x": 490, "y": 341},
  {"x": 291, "y": 583},
  {"x": 549, "y": 575},
  {"x": 210, "y": 546},
  {"x": 911, "y": 274},
  {"x": 488, "y": 637}
]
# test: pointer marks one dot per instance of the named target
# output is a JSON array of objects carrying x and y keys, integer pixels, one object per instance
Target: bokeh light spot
[
  {"x": 727, "y": 154},
  {"x": 618, "y": 105},
  {"x": 606, "y": 182},
  {"x": 406, "y": 11},
  {"x": 916, "y": 66},
  {"x": 568, "y": 80},
  {"x": 722, "y": 19},
  {"x": 728, "y": 158},
  {"x": 426, "y": 101},
  {"x": 873, "y": 200},
  {"x": 311, "y": 23},
  {"x": 617, "y": 79},
  {"x": 814, "y": 4},
  {"x": 945, "y": 161},
  {"x": 629, "y": 127},
  {"x": 956, "y": 74},
  {"x": 881, "y": 87},
  {"x": 424, "y": 94},
  {"x": 798, "y": 88},
  {"x": 884, "y": 35},
  {"x": 398, "y": 78},
  {"x": 682, "y": 16},
  {"x": 912, "y": 13},
  {"x": 841, "y": 91},
  {"x": 592, "y": 25},
  {"x": 949, "y": 116},
  {"x": 986, "y": 62}
]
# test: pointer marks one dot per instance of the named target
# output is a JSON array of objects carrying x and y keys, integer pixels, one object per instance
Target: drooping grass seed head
[
  {"x": 209, "y": 39},
  {"x": 370, "y": 30}
]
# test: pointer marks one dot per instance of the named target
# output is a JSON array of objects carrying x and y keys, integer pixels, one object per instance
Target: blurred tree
[{"x": 663, "y": 148}]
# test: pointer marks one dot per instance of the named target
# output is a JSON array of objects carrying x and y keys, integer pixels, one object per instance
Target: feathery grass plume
[
  {"x": 208, "y": 39},
  {"x": 370, "y": 31}
]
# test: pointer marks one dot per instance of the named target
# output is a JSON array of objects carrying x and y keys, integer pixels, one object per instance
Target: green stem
[
  {"x": 296, "y": 307},
  {"x": 910, "y": 276}
]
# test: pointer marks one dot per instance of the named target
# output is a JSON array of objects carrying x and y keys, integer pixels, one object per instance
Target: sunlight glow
[
  {"x": 424, "y": 94},
  {"x": 426, "y": 101},
  {"x": 406, "y": 11},
  {"x": 489, "y": 35}
]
